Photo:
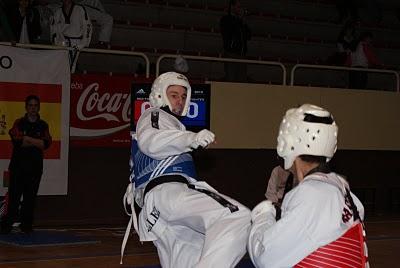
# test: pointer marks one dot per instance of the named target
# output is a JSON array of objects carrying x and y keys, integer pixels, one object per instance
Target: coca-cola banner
[{"x": 101, "y": 111}]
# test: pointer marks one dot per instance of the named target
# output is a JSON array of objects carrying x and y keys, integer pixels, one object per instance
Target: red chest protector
[{"x": 348, "y": 251}]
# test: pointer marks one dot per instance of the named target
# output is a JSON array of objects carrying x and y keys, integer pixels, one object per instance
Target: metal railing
[
  {"x": 203, "y": 58},
  {"x": 86, "y": 50},
  {"x": 327, "y": 67},
  {"x": 209, "y": 59}
]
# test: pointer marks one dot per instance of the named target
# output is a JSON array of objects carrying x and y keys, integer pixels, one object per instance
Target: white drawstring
[{"x": 129, "y": 198}]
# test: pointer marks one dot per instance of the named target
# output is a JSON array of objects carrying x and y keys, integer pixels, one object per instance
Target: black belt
[
  {"x": 216, "y": 197},
  {"x": 178, "y": 178},
  {"x": 163, "y": 179}
]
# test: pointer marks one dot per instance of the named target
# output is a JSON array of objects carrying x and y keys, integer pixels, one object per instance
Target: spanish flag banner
[
  {"x": 12, "y": 103},
  {"x": 25, "y": 72}
]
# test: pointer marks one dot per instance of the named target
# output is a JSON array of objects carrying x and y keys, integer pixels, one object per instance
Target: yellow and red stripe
[{"x": 12, "y": 107}]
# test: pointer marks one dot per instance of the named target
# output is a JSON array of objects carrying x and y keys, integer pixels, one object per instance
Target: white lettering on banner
[
  {"x": 126, "y": 110},
  {"x": 106, "y": 104},
  {"x": 195, "y": 108},
  {"x": 76, "y": 85},
  {"x": 192, "y": 113}
]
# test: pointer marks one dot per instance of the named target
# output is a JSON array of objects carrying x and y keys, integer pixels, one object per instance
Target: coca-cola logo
[
  {"x": 112, "y": 107},
  {"x": 107, "y": 105}
]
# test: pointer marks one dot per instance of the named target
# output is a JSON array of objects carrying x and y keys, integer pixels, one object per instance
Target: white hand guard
[
  {"x": 263, "y": 211},
  {"x": 203, "y": 138}
]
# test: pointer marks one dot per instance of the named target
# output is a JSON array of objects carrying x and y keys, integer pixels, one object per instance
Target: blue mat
[{"x": 44, "y": 238}]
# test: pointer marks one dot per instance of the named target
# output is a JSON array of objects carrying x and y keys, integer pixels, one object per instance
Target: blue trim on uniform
[{"x": 146, "y": 168}]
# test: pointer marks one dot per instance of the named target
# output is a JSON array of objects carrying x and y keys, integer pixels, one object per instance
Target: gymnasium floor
[{"x": 383, "y": 233}]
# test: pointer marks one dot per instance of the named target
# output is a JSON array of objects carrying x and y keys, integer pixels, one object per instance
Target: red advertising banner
[{"x": 101, "y": 110}]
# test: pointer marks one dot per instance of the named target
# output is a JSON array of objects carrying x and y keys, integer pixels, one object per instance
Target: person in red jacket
[{"x": 30, "y": 136}]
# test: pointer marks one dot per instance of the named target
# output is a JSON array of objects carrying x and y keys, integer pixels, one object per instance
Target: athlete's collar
[
  {"x": 322, "y": 168},
  {"x": 168, "y": 110}
]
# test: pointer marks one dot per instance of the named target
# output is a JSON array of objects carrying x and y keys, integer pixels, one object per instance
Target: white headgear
[
  {"x": 158, "y": 96},
  {"x": 298, "y": 137}
]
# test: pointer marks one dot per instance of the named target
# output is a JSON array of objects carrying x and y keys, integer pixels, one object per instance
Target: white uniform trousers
[{"x": 196, "y": 230}]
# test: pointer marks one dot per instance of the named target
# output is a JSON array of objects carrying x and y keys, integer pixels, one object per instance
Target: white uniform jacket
[
  {"x": 169, "y": 137},
  {"x": 311, "y": 217},
  {"x": 74, "y": 29}
]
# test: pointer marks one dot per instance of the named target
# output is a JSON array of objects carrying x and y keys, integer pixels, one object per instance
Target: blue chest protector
[{"x": 146, "y": 168}]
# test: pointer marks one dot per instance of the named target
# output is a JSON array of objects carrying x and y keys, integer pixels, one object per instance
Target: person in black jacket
[
  {"x": 6, "y": 33},
  {"x": 24, "y": 20},
  {"x": 30, "y": 136},
  {"x": 235, "y": 34},
  {"x": 346, "y": 42}
]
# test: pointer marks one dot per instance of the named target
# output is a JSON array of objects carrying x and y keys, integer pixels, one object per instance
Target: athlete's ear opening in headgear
[
  {"x": 158, "y": 96},
  {"x": 307, "y": 130}
]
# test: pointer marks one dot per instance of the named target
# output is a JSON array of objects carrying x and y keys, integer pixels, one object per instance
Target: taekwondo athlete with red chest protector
[{"x": 321, "y": 222}]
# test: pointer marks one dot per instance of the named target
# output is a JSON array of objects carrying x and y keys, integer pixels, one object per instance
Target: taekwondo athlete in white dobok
[
  {"x": 71, "y": 27},
  {"x": 96, "y": 12},
  {"x": 321, "y": 223},
  {"x": 190, "y": 223}
]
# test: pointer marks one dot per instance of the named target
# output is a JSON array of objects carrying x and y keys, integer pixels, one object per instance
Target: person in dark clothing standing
[
  {"x": 346, "y": 42},
  {"x": 235, "y": 34},
  {"x": 6, "y": 33},
  {"x": 24, "y": 20},
  {"x": 30, "y": 136},
  {"x": 362, "y": 57}
]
